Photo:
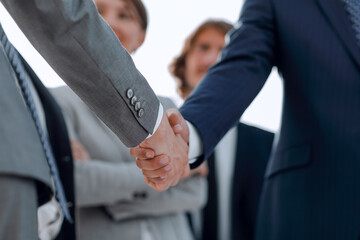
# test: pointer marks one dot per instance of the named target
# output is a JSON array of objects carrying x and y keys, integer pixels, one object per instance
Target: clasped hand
[{"x": 163, "y": 157}]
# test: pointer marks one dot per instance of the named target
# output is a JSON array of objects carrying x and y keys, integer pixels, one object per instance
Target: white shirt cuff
[
  {"x": 158, "y": 120},
  {"x": 195, "y": 144}
]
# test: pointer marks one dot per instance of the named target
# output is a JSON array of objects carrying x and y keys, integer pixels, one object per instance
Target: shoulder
[{"x": 63, "y": 92}]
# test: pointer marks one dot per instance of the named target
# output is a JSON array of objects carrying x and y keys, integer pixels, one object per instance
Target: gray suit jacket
[
  {"x": 85, "y": 52},
  {"x": 25, "y": 180},
  {"x": 112, "y": 198},
  {"x": 21, "y": 152},
  {"x": 23, "y": 166}
]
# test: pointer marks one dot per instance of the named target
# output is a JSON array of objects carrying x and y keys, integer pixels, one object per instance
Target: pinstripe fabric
[
  {"x": 353, "y": 8},
  {"x": 312, "y": 183}
]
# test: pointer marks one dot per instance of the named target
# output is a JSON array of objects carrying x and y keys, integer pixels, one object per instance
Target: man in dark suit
[
  {"x": 311, "y": 188},
  {"x": 236, "y": 168}
]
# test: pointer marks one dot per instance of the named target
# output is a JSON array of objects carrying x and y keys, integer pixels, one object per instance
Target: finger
[
  {"x": 154, "y": 163},
  {"x": 149, "y": 182},
  {"x": 186, "y": 172},
  {"x": 157, "y": 186},
  {"x": 159, "y": 180},
  {"x": 75, "y": 144},
  {"x": 161, "y": 172},
  {"x": 142, "y": 153},
  {"x": 175, "y": 182},
  {"x": 162, "y": 186}
]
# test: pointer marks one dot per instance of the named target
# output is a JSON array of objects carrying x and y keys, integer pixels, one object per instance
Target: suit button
[
  {"x": 139, "y": 195},
  {"x": 137, "y": 106},
  {"x": 129, "y": 93},
  {"x": 133, "y": 100},
  {"x": 140, "y": 112}
]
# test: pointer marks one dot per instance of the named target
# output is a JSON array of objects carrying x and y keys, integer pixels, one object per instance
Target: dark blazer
[
  {"x": 60, "y": 144},
  {"x": 253, "y": 147},
  {"x": 252, "y": 154},
  {"x": 312, "y": 186}
]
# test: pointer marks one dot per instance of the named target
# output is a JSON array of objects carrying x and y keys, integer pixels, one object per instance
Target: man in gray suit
[{"x": 83, "y": 50}]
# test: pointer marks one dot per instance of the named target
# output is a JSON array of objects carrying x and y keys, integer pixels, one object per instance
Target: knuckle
[
  {"x": 132, "y": 152},
  {"x": 161, "y": 172}
]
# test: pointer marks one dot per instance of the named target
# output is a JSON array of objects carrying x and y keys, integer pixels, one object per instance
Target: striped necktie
[{"x": 22, "y": 77}]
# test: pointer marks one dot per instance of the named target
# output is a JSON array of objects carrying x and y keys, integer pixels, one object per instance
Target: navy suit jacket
[{"x": 312, "y": 181}]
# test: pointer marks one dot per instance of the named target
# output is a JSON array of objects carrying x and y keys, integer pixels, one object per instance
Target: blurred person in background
[
  {"x": 237, "y": 166},
  {"x": 113, "y": 201}
]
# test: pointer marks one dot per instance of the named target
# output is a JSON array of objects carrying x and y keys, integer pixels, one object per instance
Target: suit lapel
[{"x": 335, "y": 14}]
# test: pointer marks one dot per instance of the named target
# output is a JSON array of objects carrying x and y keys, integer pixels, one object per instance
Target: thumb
[{"x": 178, "y": 123}]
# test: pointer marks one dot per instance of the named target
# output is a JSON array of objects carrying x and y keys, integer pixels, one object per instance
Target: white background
[{"x": 170, "y": 22}]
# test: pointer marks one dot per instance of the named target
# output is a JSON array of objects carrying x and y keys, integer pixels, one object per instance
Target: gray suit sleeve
[
  {"x": 84, "y": 51},
  {"x": 100, "y": 183},
  {"x": 189, "y": 195},
  {"x": 117, "y": 186}
]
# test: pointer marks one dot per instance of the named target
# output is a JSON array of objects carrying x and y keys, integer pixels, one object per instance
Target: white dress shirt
[
  {"x": 158, "y": 120},
  {"x": 225, "y": 154}
]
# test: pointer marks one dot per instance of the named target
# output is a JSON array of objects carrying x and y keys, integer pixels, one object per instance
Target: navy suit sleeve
[{"x": 230, "y": 86}]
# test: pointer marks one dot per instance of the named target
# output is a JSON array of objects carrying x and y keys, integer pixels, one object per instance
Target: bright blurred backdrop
[{"x": 170, "y": 21}]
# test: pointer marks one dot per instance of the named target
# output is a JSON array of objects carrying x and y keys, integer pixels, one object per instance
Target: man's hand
[
  {"x": 171, "y": 154},
  {"x": 79, "y": 152}
]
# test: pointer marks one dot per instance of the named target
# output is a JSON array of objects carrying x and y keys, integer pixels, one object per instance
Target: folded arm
[
  {"x": 100, "y": 183},
  {"x": 188, "y": 195}
]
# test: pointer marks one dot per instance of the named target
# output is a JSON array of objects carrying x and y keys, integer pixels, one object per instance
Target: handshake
[{"x": 163, "y": 157}]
